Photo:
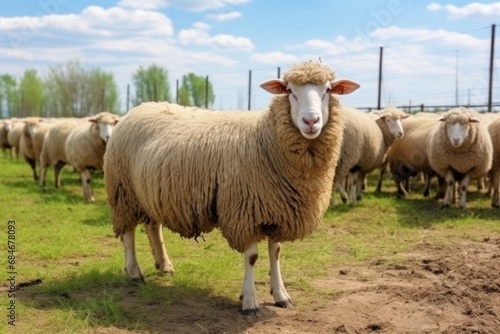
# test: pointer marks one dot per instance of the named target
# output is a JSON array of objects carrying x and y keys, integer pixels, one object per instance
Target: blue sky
[{"x": 423, "y": 42}]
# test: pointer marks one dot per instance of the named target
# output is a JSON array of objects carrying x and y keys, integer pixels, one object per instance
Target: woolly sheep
[
  {"x": 408, "y": 156},
  {"x": 85, "y": 147},
  {"x": 253, "y": 175},
  {"x": 5, "y": 126},
  {"x": 494, "y": 130},
  {"x": 38, "y": 135},
  {"x": 367, "y": 137},
  {"x": 53, "y": 150},
  {"x": 14, "y": 136},
  {"x": 26, "y": 143},
  {"x": 459, "y": 149}
]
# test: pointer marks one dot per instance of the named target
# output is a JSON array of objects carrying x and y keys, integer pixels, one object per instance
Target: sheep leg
[
  {"x": 352, "y": 184},
  {"x": 131, "y": 265},
  {"x": 341, "y": 187},
  {"x": 463, "y": 191},
  {"x": 32, "y": 163},
  {"x": 43, "y": 174},
  {"x": 427, "y": 184},
  {"x": 281, "y": 297},
  {"x": 495, "y": 186},
  {"x": 249, "y": 302},
  {"x": 87, "y": 192},
  {"x": 162, "y": 261},
  {"x": 57, "y": 174},
  {"x": 450, "y": 189},
  {"x": 383, "y": 170}
]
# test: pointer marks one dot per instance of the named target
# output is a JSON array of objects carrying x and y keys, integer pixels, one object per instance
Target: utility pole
[
  {"x": 279, "y": 72},
  {"x": 249, "y": 89},
  {"x": 492, "y": 55},
  {"x": 206, "y": 92},
  {"x": 380, "y": 77}
]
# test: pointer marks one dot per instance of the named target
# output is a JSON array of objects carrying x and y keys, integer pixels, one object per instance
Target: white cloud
[
  {"x": 225, "y": 16},
  {"x": 474, "y": 9},
  {"x": 199, "y": 35},
  {"x": 203, "y": 5},
  {"x": 142, "y": 4},
  {"x": 275, "y": 58}
]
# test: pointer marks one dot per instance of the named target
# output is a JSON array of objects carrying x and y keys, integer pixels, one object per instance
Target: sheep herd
[{"x": 262, "y": 175}]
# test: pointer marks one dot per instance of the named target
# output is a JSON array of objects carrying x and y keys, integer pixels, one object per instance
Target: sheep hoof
[
  {"x": 284, "y": 304},
  {"x": 165, "y": 269},
  {"x": 91, "y": 199},
  {"x": 250, "y": 312}
]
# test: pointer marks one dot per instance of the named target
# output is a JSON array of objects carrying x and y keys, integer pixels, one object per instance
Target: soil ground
[{"x": 434, "y": 289}]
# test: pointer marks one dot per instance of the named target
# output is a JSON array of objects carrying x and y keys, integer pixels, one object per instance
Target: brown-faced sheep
[
  {"x": 459, "y": 149},
  {"x": 253, "y": 175},
  {"x": 85, "y": 147}
]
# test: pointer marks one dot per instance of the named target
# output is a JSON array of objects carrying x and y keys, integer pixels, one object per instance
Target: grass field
[{"x": 69, "y": 245}]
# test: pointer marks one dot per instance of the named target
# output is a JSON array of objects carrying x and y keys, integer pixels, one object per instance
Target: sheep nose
[{"x": 311, "y": 120}]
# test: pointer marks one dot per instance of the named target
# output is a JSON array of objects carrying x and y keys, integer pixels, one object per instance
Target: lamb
[
  {"x": 53, "y": 151},
  {"x": 366, "y": 140},
  {"x": 408, "y": 156},
  {"x": 459, "y": 148},
  {"x": 86, "y": 144},
  {"x": 26, "y": 142},
  {"x": 253, "y": 175}
]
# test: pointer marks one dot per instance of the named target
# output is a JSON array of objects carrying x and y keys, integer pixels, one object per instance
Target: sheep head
[
  {"x": 105, "y": 122},
  {"x": 309, "y": 86},
  {"x": 458, "y": 123}
]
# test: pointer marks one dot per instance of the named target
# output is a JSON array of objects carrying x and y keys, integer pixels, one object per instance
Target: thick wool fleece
[
  {"x": 250, "y": 174},
  {"x": 473, "y": 157},
  {"x": 84, "y": 146}
]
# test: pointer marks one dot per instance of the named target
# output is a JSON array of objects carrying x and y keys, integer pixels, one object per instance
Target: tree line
[{"x": 72, "y": 90}]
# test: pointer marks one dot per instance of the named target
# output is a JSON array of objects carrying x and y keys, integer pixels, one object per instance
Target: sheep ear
[
  {"x": 92, "y": 120},
  {"x": 343, "y": 86},
  {"x": 440, "y": 119},
  {"x": 405, "y": 116},
  {"x": 474, "y": 119},
  {"x": 274, "y": 86}
]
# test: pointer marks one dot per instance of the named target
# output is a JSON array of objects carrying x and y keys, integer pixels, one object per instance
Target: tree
[
  {"x": 194, "y": 91},
  {"x": 31, "y": 94},
  {"x": 75, "y": 91},
  {"x": 151, "y": 84},
  {"x": 9, "y": 94}
]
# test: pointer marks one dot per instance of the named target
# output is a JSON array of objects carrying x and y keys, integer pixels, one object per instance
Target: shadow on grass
[{"x": 108, "y": 298}]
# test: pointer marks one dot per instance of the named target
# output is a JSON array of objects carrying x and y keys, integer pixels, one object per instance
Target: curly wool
[
  {"x": 250, "y": 174},
  {"x": 473, "y": 157}
]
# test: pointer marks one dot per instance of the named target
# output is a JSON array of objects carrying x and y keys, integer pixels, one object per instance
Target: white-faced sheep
[
  {"x": 53, "y": 149},
  {"x": 253, "y": 175},
  {"x": 367, "y": 136},
  {"x": 459, "y": 149},
  {"x": 85, "y": 147}
]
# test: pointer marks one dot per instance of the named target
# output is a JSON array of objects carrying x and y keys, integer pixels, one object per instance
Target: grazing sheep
[
  {"x": 494, "y": 130},
  {"x": 38, "y": 135},
  {"x": 26, "y": 146},
  {"x": 53, "y": 150},
  {"x": 408, "y": 156},
  {"x": 5, "y": 126},
  {"x": 85, "y": 147},
  {"x": 367, "y": 137},
  {"x": 253, "y": 175},
  {"x": 459, "y": 149},
  {"x": 14, "y": 136}
]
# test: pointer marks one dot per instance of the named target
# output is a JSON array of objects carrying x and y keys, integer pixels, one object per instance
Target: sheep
[
  {"x": 38, "y": 135},
  {"x": 408, "y": 156},
  {"x": 459, "y": 148},
  {"x": 26, "y": 143},
  {"x": 253, "y": 175},
  {"x": 85, "y": 147},
  {"x": 494, "y": 130},
  {"x": 366, "y": 139},
  {"x": 5, "y": 126},
  {"x": 53, "y": 150},
  {"x": 14, "y": 136}
]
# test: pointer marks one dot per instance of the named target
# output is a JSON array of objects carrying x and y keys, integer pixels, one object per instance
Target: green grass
[{"x": 70, "y": 246}]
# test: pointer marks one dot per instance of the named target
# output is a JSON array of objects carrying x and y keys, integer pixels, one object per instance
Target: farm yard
[{"x": 387, "y": 265}]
